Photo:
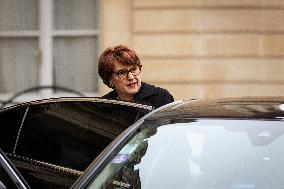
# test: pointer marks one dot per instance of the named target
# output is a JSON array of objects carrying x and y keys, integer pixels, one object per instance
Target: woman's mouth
[{"x": 132, "y": 85}]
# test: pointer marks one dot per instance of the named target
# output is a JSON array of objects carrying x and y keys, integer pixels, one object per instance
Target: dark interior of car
[{"x": 52, "y": 144}]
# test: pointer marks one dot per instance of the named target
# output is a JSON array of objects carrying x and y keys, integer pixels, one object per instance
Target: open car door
[{"x": 51, "y": 142}]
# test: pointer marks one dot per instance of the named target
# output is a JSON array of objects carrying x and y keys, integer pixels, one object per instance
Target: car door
[{"x": 53, "y": 141}]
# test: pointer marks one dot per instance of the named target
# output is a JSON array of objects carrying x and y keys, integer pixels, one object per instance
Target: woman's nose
[{"x": 130, "y": 75}]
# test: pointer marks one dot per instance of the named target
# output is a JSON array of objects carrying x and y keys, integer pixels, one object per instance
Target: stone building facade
[{"x": 202, "y": 48}]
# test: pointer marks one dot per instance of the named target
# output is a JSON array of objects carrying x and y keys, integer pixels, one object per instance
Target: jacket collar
[{"x": 146, "y": 90}]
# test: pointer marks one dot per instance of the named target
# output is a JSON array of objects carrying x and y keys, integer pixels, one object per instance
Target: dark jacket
[{"x": 148, "y": 95}]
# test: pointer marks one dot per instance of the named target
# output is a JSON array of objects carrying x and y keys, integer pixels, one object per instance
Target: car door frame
[{"x": 12, "y": 171}]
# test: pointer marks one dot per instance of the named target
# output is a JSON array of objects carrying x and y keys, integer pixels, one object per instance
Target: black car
[
  {"x": 49, "y": 143},
  {"x": 234, "y": 143}
]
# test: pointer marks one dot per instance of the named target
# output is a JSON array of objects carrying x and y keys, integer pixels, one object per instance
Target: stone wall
[{"x": 203, "y": 48}]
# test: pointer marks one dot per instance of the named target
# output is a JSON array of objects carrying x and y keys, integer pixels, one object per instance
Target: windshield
[{"x": 216, "y": 154}]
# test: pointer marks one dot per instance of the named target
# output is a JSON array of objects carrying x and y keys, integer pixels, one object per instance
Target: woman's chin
[{"x": 132, "y": 90}]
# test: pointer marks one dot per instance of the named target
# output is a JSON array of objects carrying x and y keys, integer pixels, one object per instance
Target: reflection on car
[
  {"x": 233, "y": 143},
  {"x": 51, "y": 142}
]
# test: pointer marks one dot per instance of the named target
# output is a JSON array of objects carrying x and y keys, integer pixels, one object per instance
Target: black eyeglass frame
[{"x": 122, "y": 76}]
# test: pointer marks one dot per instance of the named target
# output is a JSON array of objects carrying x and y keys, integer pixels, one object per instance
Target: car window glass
[
  {"x": 193, "y": 154},
  {"x": 10, "y": 124},
  {"x": 72, "y": 134}
]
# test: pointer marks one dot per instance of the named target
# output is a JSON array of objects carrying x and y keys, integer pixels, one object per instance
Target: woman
[{"x": 120, "y": 69}]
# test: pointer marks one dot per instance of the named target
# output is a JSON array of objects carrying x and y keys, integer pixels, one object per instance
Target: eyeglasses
[{"x": 123, "y": 74}]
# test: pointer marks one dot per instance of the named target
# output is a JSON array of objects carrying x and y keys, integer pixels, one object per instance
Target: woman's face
[{"x": 125, "y": 87}]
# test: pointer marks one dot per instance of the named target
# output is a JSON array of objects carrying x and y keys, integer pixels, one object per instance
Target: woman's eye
[
  {"x": 133, "y": 69},
  {"x": 123, "y": 72}
]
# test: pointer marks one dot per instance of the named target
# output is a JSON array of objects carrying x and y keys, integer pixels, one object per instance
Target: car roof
[
  {"x": 237, "y": 107},
  {"x": 78, "y": 99}
]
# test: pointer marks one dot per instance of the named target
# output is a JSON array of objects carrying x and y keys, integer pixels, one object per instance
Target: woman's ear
[{"x": 110, "y": 84}]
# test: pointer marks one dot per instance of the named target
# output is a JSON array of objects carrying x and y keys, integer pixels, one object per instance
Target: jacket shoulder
[
  {"x": 151, "y": 89},
  {"x": 156, "y": 96},
  {"x": 111, "y": 95}
]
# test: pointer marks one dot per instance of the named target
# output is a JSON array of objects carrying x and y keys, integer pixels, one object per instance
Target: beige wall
[{"x": 202, "y": 48}]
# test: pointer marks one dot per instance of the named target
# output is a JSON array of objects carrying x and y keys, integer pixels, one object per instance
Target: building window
[{"x": 47, "y": 43}]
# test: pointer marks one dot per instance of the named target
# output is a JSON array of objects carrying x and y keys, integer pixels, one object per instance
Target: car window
[
  {"x": 70, "y": 134},
  {"x": 10, "y": 123},
  {"x": 217, "y": 154}
]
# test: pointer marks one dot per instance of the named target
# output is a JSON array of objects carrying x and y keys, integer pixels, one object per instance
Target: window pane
[
  {"x": 75, "y": 63},
  {"x": 10, "y": 124},
  {"x": 18, "y": 15},
  {"x": 18, "y": 68},
  {"x": 71, "y": 134},
  {"x": 74, "y": 14}
]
